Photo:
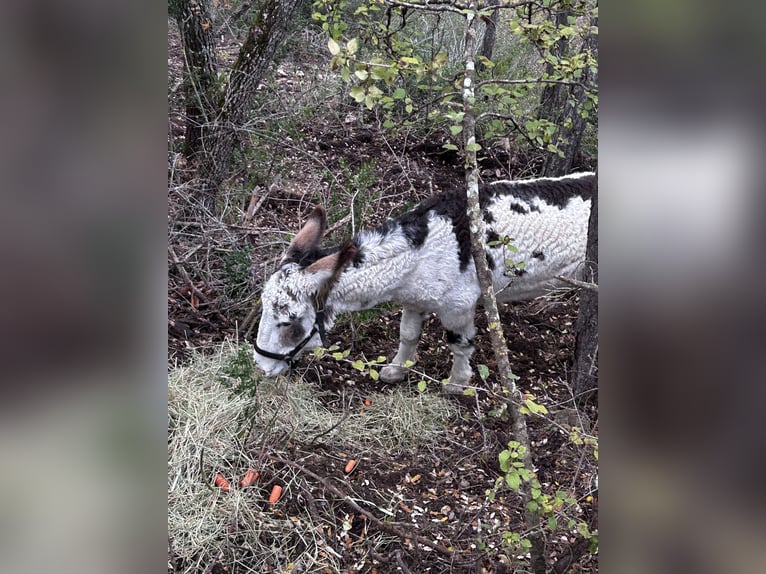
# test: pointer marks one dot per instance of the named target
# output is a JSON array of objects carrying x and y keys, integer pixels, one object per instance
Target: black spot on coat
[{"x": 538, "y": 254}]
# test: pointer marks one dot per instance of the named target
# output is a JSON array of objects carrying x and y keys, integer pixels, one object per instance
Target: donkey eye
[{"x": 283, "y": 324}]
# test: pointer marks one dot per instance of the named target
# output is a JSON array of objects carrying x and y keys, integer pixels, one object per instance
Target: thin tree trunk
[
  {"x": 196, "y": 28},
  {"x": 585, "y": 372},
  {"x": 553, "y": 96},
  {"x": 497, "y": 337},
  {"x": 569, "y": 138},
  {"x": 490, "y": 33},
  {"x": 257, "y": 53}
]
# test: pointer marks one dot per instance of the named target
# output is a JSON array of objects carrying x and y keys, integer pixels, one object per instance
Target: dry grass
[{"x": 211, "y": 429}]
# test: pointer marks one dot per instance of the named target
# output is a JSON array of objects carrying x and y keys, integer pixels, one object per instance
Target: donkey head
[{"x": 293, "y": 298}]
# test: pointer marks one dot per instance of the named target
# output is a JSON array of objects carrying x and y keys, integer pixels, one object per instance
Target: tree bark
[
  {"x": 497, "y": 337},
  {"x": 585, "y": 371},
  {"x": 570, "y": 120},
  {"x": 257, "y": 53},
  {"x": 552, "y": 96},
  {"x": 196, "y": 28},
  {"x": 490, "y": 33}
]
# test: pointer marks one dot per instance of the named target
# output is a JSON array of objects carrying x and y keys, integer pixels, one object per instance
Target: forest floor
[{"x": 338, "y": 156}]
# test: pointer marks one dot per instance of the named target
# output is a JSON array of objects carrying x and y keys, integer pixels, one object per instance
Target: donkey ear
[
  {"x": 334, "y": 263},
  {"x": 310, "y": 235}
]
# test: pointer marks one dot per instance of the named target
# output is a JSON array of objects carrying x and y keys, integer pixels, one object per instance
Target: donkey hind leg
[
  {"x": 410, "y": 328},
  {"x": 460, "y": 334}
]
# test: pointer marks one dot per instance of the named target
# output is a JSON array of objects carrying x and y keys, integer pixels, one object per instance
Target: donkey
[{"x": 422, "y": 260}]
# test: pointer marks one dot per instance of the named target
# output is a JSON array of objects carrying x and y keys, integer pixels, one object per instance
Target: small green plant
[
  {"x": 558, "y": 511},
  {"x": 239, "y": 371},
  {"x": 364, "y": 366},
  {"x": 512, "y": 267},
  {"x": 236, "y": 269}
]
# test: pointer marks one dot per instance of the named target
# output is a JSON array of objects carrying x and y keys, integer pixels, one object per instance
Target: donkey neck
[{"x": 385, "y": 259}]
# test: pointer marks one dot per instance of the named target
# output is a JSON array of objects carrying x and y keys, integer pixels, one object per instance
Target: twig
[
  {"x": 538, "y": 81},
  {"x": 577, "y": 283},
  {"x": 346, "y": 413},
  {"x": 390, "y": 528},
  {"x": 178, "y": 265},
  {"x": 400, "y": 562},
  {"x": 254, "y": 205}
]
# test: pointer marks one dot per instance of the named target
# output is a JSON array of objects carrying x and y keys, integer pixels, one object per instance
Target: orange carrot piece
[
  {"x": 350, "y": 465},
  {"x": 276, "y": 492},
  {"x": 221, "y": 482},
  {"x": 249, "y": 479}
]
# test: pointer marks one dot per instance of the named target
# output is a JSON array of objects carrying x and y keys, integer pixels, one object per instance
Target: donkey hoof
[{"x": 392, "y": 374}]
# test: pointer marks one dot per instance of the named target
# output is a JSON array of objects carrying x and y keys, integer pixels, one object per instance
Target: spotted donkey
[{"x": 422, "y": 260}]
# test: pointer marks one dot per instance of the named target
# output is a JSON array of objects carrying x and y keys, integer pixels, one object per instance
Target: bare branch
[
  {"x": 576, "y": 283},
  {"x": 516, "y": 125},
  {"x": 539, "y": 81}
]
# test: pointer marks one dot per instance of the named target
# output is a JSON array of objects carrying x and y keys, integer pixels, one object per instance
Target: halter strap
[{"x": 318, "y": 328}]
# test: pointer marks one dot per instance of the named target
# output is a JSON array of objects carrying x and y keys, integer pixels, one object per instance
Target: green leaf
[
  {"x": 399, "y": 94},
  {"x": 374, "y": 375},
  {"x": 534, "y": 407},
  {"x": 422, "y": 386},
  {"x": 504, "y": 458},
  {"x": 473, "y": 147},
  {"x": 454, "y": 130},
  {"x": 337, "y": 356},
  {"x": 514, "y": 480},
  {"x": 358, "y": 365},
  {"x": 353, "y": 46},
  {"x": 361, "y": 74},
  {"x": 357, "y": 92},
  {"x": 553, "y": 523},
  {"x": 484, "y": 372},
  {"x": 333, "y": 46},
  {"x": 532, "y": 506},
  {"x": 469, "y": 391},
  {"x": 450, "y": 146}
]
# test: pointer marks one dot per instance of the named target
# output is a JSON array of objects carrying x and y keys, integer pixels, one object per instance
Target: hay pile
[{"x": 212, "y": 428}]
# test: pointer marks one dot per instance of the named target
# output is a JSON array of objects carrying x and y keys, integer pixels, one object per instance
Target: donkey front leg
[
  {"x": 410, "y": 329},
  {"x": 460, "y": 333}
]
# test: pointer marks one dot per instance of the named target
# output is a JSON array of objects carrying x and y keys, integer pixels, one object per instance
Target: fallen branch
[
  {"x": 390, "y": 528},
  {"x": 577, "y": 283}
]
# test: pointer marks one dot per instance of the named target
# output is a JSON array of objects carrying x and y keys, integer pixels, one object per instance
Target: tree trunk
[
  {"x": 490, "y": 33},
  {"x": 196, "y": 28},
  {"x": 497, "y": 337},
  {"x": 570, "y": 120},
  {"x": 257, "y": 53},
  {"x": 553, "y": 96},
  {"x": 585, "y": 371}
]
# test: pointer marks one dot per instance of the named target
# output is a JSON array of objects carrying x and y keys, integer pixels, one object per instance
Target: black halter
[{"x": 290, "y": 356}]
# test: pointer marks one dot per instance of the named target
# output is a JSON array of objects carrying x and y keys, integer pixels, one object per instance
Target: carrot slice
[
  {"x": 221, "y": 482},
  {"x": 276, "y": 492},
  {"x": 249, "y": 479}
]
